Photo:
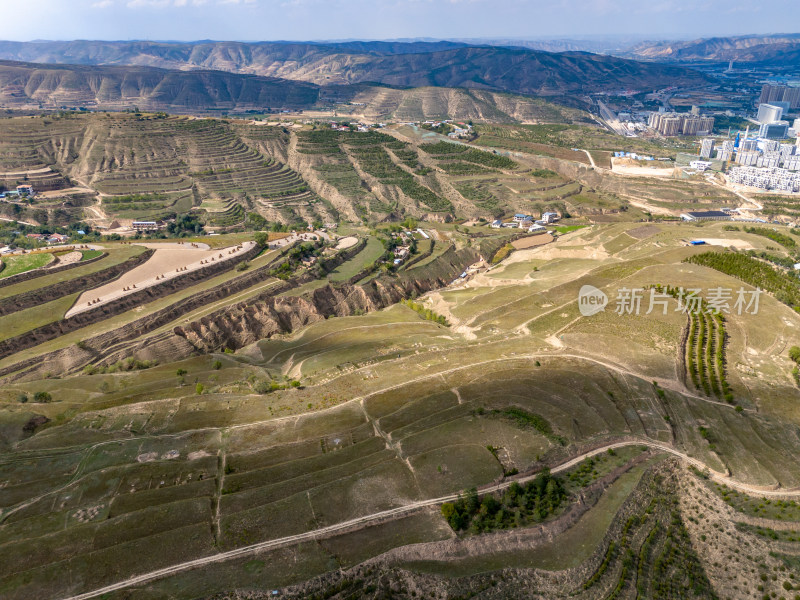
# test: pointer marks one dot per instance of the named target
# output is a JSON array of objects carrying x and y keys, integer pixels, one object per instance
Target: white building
[
  {"x": 774, "y": 131},
  {"x": 792, "y": 163},
  {"x": 700, "y": 165},
  {"x": 747, "y": 157},
  {"x": 706, "y": 147},
  {"x": 726, "y": 151},
  {"x": 766, "y": 179},
  {"x": 769, "y": 113},
  {"x": 549, "y": 217}
]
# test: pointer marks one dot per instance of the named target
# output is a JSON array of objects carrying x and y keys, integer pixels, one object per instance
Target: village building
[{"x": 706, "y": 215}]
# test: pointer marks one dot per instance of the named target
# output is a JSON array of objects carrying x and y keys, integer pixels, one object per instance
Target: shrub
[
  {"x": 42, "y": 397},
  {"x": 199, "y": 389},
  {"x": 261, "y": 238},
  {"x": 266, "y": 387},
  {"x": 22, "y": 398},
  {"x": 502, "y": 253},
  {"x": 181, "y": 372},
  {"x": 217, "y": 365},
  {"x": 243, "y": 266},
  {"x": 794, "y": 353},
  {"x": 426, "y": 313}
]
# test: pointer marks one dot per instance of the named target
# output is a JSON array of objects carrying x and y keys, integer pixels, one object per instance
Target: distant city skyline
[{"x": 297, "y": 20}]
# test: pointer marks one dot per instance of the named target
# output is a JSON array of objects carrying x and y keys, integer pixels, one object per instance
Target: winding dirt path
[
  {"x": 393, "y": 513},
  {"x": 591, "y": 158}
]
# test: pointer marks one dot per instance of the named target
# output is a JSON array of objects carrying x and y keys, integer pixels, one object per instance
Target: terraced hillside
[
  {"x": 106, "y": 167},
  {"x": 298, "y": 428},
  {"x": 409, "y": 404},
  {"x": 370, "y": 175},
  {"x": 29, "y": 149},
  {"x": 152, "y": 166}
]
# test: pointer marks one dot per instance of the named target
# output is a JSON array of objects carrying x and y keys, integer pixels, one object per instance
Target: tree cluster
[{"x": 517, "y": 506}]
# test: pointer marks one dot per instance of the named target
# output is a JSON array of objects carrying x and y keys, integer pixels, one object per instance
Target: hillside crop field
[
  {"x": 108, "y": 169},
  {"x": 370, "y": 391},
  {"x": 363, "y": 414}
]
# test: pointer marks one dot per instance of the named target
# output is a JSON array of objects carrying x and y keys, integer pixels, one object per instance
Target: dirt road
[
  {"x": 392, "y": 514},
  {"x": 591, "y": 158}
]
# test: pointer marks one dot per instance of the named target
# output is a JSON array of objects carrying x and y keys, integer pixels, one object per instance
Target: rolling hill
[
  {"x": 115, "y": 87},
  {"x": 516, "y": 70},
  {"x": 783, "y": 49}
]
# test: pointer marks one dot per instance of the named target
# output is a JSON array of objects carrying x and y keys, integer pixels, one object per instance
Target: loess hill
[
  {"x": 102, "y": 167},
  {"x": 783, "y": 50},
  {"x": 244, "y": 409},
  {"x": 317, "y": 420},
  {"x": 87, "y": 65}
]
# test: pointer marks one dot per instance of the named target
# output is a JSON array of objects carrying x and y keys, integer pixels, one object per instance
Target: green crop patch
[{"x": 13, "y": 265}]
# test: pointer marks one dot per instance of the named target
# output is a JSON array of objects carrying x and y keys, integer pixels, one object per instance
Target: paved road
[{"x": 401, "y": 511}]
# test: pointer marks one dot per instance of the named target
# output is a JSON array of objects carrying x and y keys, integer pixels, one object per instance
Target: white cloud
[{"x": 175, "y": 3}]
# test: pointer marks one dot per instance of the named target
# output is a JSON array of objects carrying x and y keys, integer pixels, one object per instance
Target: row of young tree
[
  {"x": 705, "y": 346},
  {"x": 754, "y": 272},
  {"x": 426, "y": 313},
  {"x": 705, "y": 354},
  {"x": 794, "y": 355},
  {"x": 664, "y": 566},
  {"x": 776, "y": 236}
]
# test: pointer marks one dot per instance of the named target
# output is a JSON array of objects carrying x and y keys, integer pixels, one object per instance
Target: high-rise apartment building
[
  {"x": 671, "y": 124},
  {"x": 780, "y": 93},
  {"x": 706, "y": 147}
]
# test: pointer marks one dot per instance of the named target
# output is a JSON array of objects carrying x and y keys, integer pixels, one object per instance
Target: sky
[{"x": 263, "y": 20}]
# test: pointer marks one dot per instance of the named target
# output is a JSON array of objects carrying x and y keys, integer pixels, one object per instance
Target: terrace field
[
  {"x": 375, "y": 409},
  {"x": 154, "y": 166},
  {"x": 112, "y": 168},
  {"x": 312, "y": 417},
  {"x": 13, "y": 265}
]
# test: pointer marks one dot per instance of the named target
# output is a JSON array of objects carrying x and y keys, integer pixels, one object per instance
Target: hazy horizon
[{"x": 318, "y": 20}]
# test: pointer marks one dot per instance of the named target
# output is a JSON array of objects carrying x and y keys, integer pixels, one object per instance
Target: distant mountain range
[
  {"x": 405, "y": 64},
  {"x": 766, "y": 49},
  {"x": 32, "y": 85}
]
